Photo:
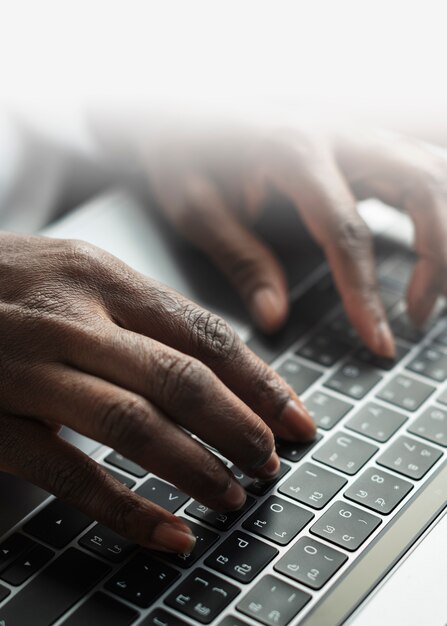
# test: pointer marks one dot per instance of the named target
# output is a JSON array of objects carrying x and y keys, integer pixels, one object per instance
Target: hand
[
  {"x": 90, "y": 343},
  {"x": 213, "y": 188}
]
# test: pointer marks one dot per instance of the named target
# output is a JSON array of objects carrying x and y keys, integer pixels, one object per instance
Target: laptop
[{"x": 353, "y": 530}]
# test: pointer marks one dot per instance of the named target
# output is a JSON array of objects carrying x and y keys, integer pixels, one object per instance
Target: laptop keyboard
[{"x": 382, "y": 432}]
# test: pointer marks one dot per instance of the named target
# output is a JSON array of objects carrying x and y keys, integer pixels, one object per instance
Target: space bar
[
  {"x": 380, "y": 557},
  {"x": 54, "y": 591}
]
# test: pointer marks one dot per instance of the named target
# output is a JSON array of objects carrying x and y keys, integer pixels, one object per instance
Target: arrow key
[
  {"x": 12, "y": 548},
  {"x": 29, "y": 563}
]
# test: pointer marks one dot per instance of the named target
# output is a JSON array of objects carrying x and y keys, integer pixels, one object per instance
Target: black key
[
  {"x": 116, "y": 459},
  {"x": 221, "y": 521},
  {"x": 381, "y": 362},
  {"x": 124, "y": 480},
  {"x": 231, "y": 620},
  {"x": 55, "y": 590},
  {"x": 354, "y": 379},
  {"x": 4, "y": 592},
  {"x": 404, "y": 328},
  {"x": 312, "y": 485},
  {"x": 443, "y": 397},
  {"x": 430, "y": 362},
  {"x": 142, "y": 580},
  {"x": 273, "y": 602},
  {"x": 378, "y": 490},
  {"x": 406, "y": 392},
  {"x": 163, "y": 494},
  {"x": 202, "y": 596},
  {"x": 310, "y": 562},
  {"x": 102, "y": 609},
  {"x": 107, "y": 543},
  {"x": 345, "y": 525},
  {"x": 305, "y": 312},
  {"x": 298, "y": 376},
  {"x": 241, "y": 557},
  {"x": 376, "y": 421},
  {"x": 345, "y": 453},
  {"x": 278, "y": 520},
  {"x": 27, "y": 564},
  {"x": 409, "y": 457},
  {"x": 57, "y": 524},
  {"x": 295, "y": 451},
  {"x": 326, "y": 410},
  {"x": 341, "y": 328},
  {"x": 432, "y": 425},
  {"x": 205, "y": 538},
  {"x": 12, "y": 547},
  {"x": 324, "y": 349},
  {"x": 160, "y": 617}
]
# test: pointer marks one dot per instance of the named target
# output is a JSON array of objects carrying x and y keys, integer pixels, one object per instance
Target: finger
[
  {"x": 136, "y": 429},
  {"x": 248, "y": 263},
  {"x": 328, "y": 208},
  {"x": 406, "y": 175},
  {"x": 31, "y": 451}
]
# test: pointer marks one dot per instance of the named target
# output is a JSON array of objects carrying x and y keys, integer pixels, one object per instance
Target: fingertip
[
  {"x": 269, "y": 308},
  {"x": 383, "y": 343}
]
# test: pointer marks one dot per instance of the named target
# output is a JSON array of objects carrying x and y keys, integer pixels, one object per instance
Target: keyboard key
[
  {"x": 107, "y": 543},
  {"x": 142, "y": 580},
  {"x": 345, "y": 525},
  {"x": 278, "y": 520},
  {"x": 259, "y": 487},
  {"x": 341, "y": 328},
  {"x": 312, "y": 485},
  {"x": 293, "y": 450},
  {"x": 231, "y": 620},
  {"x": 205, "y": 538},
  {"x": 324, "y": 349},
  {"x": 378, "y": 490},
  {"x": 163, "y": 494},
  {"x": 27, "y": 564},
  {"x": 55, "y": 590},
  {"x": 160, "y": 617},
  {"x": 364, "y": 355},
  {"x": 310, "y": 562},
  {"x": 298, "y": 376},
  {"x": 102, "y": 609},
  {"x": 431, "y": 363},
  {"x": 390, "y": 298},
  {"x": 221, "y": 521},
  {"x": 432, "y": 425},
  {"x": 273, "y": 602},
  {"x": 345, "y": 453},
  {"x": 12, "y": 547},
  {"x": 4, "y": 593},
  {"x": 124, "y": 480},
  {"x": 57, "y": 524},
  {"x": 241, "y": 557},
  {"x": 116, "y": 459},
  {"x": 404, "y": 328},
  {"x": 441, "y": 337},
  {"x": 202, "y": 596},
  {"x": 406, "y": 392},
  {"x": 409, "y": 457},
  {"x": 354, "y": 379},
  {"x": 326, "y": 410},
  {"x": 376, "y": 421}
]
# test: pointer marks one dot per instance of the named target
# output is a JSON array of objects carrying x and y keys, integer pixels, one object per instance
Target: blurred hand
[
  {"x": 213, "y": 188},
  {"x": 90, "y": 343}
]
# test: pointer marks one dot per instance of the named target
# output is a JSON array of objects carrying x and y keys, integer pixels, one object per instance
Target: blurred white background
[{"x": 377, "y": 61}]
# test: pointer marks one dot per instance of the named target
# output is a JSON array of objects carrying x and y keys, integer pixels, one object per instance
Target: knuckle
[
  {"x": 261, "y": 439},
  {"x": 352, "y": 236},
  {"x": 125, "y": 421},
  {"x": 213, "y": 337},
  {"x": 70, "y": 481},
  {"x": 182, "y": 378},
  {"x": 126, "y": 513}
]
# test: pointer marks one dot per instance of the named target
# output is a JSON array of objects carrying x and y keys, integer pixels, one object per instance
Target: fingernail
[
  {"x": 297, "y": 420},
  {"x": 269, "y": 469},
  {"x": 384, "y": 341},
  {"x": 267, "y": 308},
  {"x": 173, "y": 538},
  {"x": 235, "y": 496}
]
